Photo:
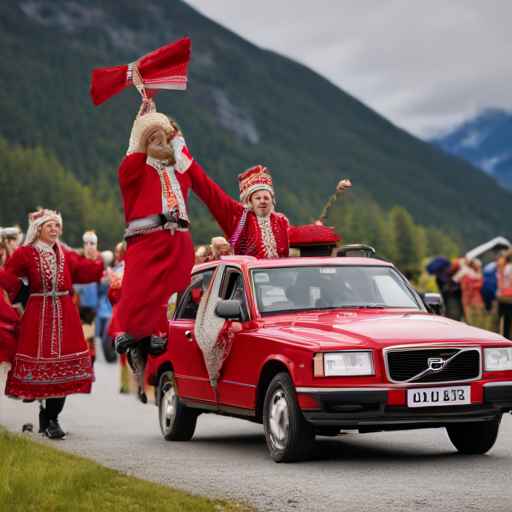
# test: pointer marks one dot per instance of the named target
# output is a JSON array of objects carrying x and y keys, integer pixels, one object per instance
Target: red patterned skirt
[
  {"x": 52, "y": 358},
  {"x": 32, "y": 378},
  {"x": 158, "y": 265}
]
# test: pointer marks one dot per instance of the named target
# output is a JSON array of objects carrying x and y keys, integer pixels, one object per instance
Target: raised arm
[
  {"x": 15, "y": 268},
  {"x": 83, "y": 270},
  {"x": 9, "y": 330},
  {"x": 224, "y": 209}
]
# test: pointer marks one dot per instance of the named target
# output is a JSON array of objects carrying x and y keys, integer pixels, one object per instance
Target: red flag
[{"x": 165, "y": 68}]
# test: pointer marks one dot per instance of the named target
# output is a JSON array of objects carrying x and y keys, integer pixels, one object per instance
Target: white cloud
[{"x": 423, "y": 64}]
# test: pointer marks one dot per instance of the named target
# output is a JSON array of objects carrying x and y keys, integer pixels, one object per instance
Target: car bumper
[{"x": 370, "y": 410}]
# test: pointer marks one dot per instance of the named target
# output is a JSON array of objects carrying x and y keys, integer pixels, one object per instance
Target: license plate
[{"x": 433, "y": 397}]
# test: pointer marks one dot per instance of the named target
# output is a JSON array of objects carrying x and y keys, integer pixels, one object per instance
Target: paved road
[{"x": 228, "y": 458}]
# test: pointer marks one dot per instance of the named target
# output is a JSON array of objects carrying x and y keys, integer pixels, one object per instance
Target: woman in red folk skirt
[{"x": 51, "y": 359}]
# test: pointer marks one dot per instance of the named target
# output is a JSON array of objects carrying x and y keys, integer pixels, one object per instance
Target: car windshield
[{"x": 330, "y": 287}]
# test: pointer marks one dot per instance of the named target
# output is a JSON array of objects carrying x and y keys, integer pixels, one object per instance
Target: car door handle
[{"x": 188, "y": 334}]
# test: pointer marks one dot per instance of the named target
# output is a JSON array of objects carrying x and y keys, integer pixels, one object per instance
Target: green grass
[{"x": 37, "y": 477}]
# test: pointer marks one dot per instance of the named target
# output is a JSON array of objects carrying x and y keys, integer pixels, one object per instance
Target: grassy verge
[{"x": 37, "y": 477}]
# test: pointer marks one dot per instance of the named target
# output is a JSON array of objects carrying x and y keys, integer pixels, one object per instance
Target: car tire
[
  {"x": 289, "y": 435},
  {"x": 474, "y": 438},
  {"x": 177, "y": 422}
]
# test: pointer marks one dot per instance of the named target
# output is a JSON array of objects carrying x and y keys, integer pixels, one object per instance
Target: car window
[
  {"x": 238, "y": 293},
  {"x": 188, "y": 303},
  {"x": 233, "y": 288},
  {"x": 330, "y": 287},
  {"x": 171, "y": 306}
]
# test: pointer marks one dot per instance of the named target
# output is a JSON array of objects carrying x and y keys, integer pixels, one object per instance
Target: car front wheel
[
  {"x": 289, "y": 436},
  {"x": 177, "y": 423},
  {"x": 474, "y": 438}
]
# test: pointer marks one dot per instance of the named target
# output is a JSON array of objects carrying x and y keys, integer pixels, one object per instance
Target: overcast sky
[{"x": 426, "y": 65}]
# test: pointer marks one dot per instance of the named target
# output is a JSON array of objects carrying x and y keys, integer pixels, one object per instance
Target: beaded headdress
[
  {"x": 36, "y": 220},
  {"x": 253, "y": 179}
]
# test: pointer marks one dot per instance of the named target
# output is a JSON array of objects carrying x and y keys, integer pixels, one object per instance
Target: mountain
[
  {"x": 485, "y": 142},
  {"x": 244, "y": 106}
]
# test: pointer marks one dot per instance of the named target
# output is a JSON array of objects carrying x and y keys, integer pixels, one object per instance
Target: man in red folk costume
[
  {"x": 252, "y": 226},
  {"x": 51, "y": 359}
]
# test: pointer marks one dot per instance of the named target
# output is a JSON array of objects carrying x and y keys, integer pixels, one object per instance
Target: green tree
[
  {"x": 441, "y": 244},
  {"x": 409, "y": 241},
  {"x": 32, "y": 178}
]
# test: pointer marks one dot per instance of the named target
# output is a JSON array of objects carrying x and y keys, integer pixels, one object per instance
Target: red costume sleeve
[
  {"x": 113, "y": 294},
  {"x": 83, "y": 270},
  {"x": 225, "y": 210},
  {"x": 132, "y": 168},
  {"x": 9, "y": 330},
  {"x": 286, "y": 233},
  {"x": 16, "y": 267}
]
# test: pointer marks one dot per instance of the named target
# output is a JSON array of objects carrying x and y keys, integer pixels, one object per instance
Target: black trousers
[
  {"x": 505, "y": 311},
  {"x": 50, "y": 412}
]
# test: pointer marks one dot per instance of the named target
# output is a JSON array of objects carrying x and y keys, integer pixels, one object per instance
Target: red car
[{"x": 315, "y": 346}]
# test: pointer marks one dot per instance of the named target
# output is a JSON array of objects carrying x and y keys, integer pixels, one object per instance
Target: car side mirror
[
  {"x": 229, "y": 309},
  {"x": 434, "y": 303}
]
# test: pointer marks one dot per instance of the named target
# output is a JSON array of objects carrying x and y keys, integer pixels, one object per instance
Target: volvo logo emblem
[{"x": 436, "y": 364}]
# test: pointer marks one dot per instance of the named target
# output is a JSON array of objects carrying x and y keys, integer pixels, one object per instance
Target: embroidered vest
[
  {"x": 173, "y": 204},
  {"x": 249, "y": 239}
]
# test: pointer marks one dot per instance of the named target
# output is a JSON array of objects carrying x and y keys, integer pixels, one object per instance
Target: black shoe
[
  {"x": 157, "y": 344},
  {"x": 109, "y": 349},
  {"x": 54, "y": 431},
  {"x": 28, "y": 427},
  {"x": 124, "y": 341},
  {"x": 142, "y": 396}
]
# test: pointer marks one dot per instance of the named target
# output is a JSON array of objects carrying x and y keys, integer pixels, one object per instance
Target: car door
[
  {"x": 190, "y": 369},
  {"x": 237, "y": 386}
]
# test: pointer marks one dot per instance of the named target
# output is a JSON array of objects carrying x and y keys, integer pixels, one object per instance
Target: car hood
[{"x": 377, "y": 329}]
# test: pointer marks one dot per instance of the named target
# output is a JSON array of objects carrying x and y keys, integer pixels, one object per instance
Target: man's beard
[{"x": 266, "y": 213}]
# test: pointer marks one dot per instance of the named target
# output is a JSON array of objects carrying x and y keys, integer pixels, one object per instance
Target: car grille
[{"x": 406, "y": 364}]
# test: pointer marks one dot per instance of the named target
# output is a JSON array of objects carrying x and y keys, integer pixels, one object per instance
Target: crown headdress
[{"x": 253, "y": 179}]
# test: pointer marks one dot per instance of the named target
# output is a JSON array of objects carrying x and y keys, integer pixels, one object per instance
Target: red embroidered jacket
[
  {"x": 240, "y": 225},
  {"x": 142, "y": 188}
]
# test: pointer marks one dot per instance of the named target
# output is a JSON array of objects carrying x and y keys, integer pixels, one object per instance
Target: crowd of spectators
[{"x": 479, "y": 295}]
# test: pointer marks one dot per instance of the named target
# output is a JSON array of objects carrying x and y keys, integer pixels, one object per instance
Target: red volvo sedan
[{"x": 317, "y": 346}]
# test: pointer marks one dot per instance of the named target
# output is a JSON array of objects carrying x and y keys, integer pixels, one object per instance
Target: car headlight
[
  {"x": 346, "y": 364},
  {"x": 498, "y": 359}
]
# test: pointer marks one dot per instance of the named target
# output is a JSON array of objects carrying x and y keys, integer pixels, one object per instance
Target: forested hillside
[
  {"x": 394, "y": 234},
  {"x": 32, "y": 177},
  {"x": 243, "y": 106}
]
